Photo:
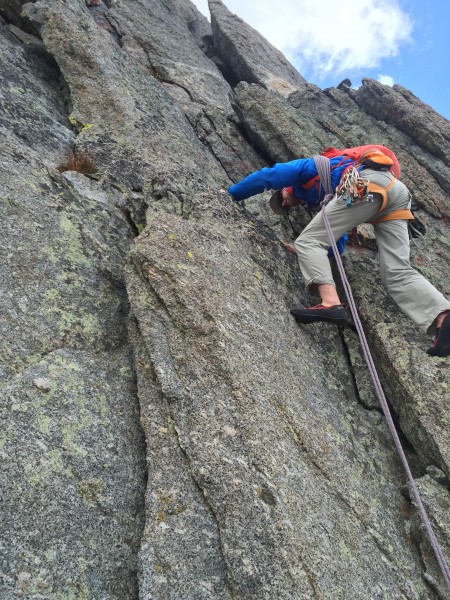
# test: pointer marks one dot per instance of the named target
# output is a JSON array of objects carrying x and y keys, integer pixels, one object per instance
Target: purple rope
[{"x": 382, "y": 399}]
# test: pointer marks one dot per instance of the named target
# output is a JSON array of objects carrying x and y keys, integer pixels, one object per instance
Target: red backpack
[
  {"x": 362, "y": 153},
  {"x": 372, "y": 155}
]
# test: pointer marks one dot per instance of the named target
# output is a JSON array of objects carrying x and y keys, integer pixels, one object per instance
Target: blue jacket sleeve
[
  {"x": 340, "y": 243},
  {"x": 272, "y": 178}
]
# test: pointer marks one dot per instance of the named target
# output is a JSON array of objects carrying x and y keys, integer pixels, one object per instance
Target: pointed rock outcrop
[{"x": 250, "y": 56}]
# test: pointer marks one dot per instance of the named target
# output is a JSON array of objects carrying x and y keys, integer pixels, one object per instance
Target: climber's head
[{"x": 282, "y": 200}]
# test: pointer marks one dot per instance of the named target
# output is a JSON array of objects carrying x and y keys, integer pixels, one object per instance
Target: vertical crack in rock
[
  {"x": 434, "y": 495},
  {"x": 350, "y": 368},
  {"x": 181, "y": 527},
  {"x": 261, "y": 149},
  {"x": 209, "y": 507},
  {"x": 417, "y": 542},
  {"x": 222, "y": 136},
  {"x": 99, "y": 11},
  {"x": 366, "y": 396}
]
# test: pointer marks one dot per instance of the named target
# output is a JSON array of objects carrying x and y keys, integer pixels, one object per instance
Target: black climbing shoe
[
  {"x": 330, "y": 314},
  {"x": 441, "y": 345}
]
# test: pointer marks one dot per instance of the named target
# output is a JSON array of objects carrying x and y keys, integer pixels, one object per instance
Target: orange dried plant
[{"x": 80, "y": 162}]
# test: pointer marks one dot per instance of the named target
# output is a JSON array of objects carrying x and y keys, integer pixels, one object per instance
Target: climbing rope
[
  {"x": 323, "y": 169},
  {"x": 351, "y": 188}
]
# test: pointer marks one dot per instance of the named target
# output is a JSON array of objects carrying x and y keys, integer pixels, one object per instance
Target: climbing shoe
[
  {"x": 441, "y": 345},
  {"x": 330, "y": 314}
]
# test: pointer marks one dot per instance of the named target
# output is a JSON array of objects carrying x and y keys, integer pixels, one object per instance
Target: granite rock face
[
  {"x": 168, "y": 431},
  {"x": 262, "y": 425}
]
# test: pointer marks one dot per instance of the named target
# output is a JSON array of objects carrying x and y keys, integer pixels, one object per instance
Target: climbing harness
[
  {"x": 324, "y": 172},
  {"x": 354, "y": 188}
]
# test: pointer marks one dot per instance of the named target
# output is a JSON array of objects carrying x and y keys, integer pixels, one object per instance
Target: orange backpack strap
[
  {"x": 403, "y": 213},
  {"x": 374, "y": 188}
]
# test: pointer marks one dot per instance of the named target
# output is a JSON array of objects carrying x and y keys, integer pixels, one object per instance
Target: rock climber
[{"x": 296, "y": 182}]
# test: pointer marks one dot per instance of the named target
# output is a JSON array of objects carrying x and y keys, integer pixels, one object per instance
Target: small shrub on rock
[{"x": 79, "y": 161}]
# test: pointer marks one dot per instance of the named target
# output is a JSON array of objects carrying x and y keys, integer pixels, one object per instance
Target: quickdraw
[{"x": 353, "y": 188}]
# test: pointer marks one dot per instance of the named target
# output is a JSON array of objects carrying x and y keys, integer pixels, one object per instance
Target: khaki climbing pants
[{"x": 414, "y": 294}]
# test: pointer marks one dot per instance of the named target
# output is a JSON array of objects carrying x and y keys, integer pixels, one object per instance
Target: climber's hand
[{"x": 289, "y": 247}]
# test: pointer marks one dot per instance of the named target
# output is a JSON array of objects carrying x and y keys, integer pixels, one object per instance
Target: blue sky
[{"x": 394, "y": 41}]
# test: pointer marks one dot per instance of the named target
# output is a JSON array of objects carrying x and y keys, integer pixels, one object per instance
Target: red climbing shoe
[
  {"x": 441, "y": 345},
  {"x": 330, "y": 314}
]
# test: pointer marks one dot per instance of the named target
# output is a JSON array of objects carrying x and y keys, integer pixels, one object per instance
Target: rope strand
[
  {"x": 382, "y": 399},
  {"x": 324, "y": 174}
]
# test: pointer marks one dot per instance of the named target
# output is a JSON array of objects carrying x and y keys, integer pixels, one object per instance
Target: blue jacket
[{"x": 294, "y": 173}]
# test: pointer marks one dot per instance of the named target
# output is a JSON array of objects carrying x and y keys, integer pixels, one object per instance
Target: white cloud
[
  {"x": 386, "y": 80},
  {"x": 327, "y": 36},
  {"x": 202, "y": 6}
]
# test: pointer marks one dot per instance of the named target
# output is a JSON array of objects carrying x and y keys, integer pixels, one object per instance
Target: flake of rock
[{"x": 43, "y": 384}]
